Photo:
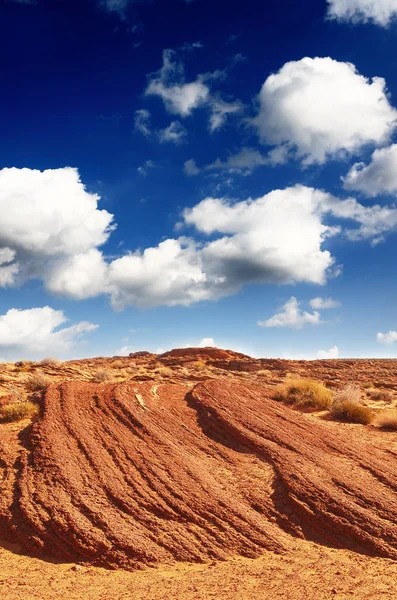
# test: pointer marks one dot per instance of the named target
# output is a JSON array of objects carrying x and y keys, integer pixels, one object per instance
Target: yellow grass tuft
[
  {"x": 304, "y": 392},
  {"x": 387, "y": 420},
  {"x": 101, "y": 375},
  {"x": 18, "y": 411}
]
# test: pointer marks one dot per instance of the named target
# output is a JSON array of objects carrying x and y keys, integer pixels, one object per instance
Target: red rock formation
[{"x": 140, "y": 474}]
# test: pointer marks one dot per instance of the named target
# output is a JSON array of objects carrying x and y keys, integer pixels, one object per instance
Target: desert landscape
[{"x": 198, "y": 473}]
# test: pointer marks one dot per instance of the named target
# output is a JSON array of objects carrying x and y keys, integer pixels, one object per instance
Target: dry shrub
[
  {"x": 50, "y": 362},
  {"x": 347, "y": 407},
  {"x": 37, "y": 382},
  {"x": 200, "y": 364},
  {"x": 349, "y": 393},
  {"x": 18, "y": 411},
  {"x": 265, "y": 372},
  {"x": 387, "y": 420},
  {"x": 101, "y": 375},
  {"x": 352, "y": 412},
  {"x": 304, "y": 392},
  {"x": 118, "y": 364},
  {"x": 24, "y": 363},
  {"x": 24, "y": 366},
  {"x": 164, "y": 371},
  {"x": 368, "y": 384},
  {"x": 381, "y": 395}
]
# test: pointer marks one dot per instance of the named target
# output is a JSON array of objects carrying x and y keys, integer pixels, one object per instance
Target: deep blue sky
[{"x": 73, "y": 76}]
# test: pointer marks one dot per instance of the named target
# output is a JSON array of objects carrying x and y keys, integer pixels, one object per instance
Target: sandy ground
[{"x": 309, "y": 572}]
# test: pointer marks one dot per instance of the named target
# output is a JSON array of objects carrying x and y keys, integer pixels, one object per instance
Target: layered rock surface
[{"x": 143, "y": 473}]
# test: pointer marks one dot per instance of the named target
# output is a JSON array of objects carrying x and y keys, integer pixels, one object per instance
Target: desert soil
[{"x": 179, "y": 476}]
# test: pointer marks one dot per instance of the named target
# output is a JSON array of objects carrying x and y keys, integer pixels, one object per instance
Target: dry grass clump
[
  {"x": 304, "y": 392},
  {"x": 368, "y": 384},
  {"x": 347, "y": 406},
  {"x": 37, "y": 382},
  {"x": 387, "y": 420},
  {"x": 200, "y": 364},
  {"x": 24, "y": 363},
  {"x": 381, "y": 395},
  {"x": 18, "y": 411},
  {"x": 101, "y": 375},
  {"x": 50, "y": 362},
  {"x": 164, "y": 371},
  {"x": 349, "y": 393},
  {"x": 118, "y": 364},
  {"x": 264, "y": 372}
]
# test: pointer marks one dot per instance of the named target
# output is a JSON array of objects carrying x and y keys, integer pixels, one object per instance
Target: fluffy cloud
[
  {"x": 35, "y": 332},
  {"x": 207, "y": 342},
  {"x": 319, "y": 108},
  {"x": 274, "y": 239},
  {"x": 331, "y": 353},
  {"x": 323, "y": 303},
  {"x": 292, "y": 316},
  {"x": 379, "y": 177},
  {"x": 380, "y": 12},
  {"x": 55, "y": 233},
  {"x": 53, "y": 220},
  {"x": 168, "y": 274},
  {"x": 181, "y": 98},
  {"x": 387, "y": 338}
]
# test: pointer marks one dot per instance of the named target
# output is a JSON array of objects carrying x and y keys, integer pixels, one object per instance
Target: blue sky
[{"x": 180, "y": 173}]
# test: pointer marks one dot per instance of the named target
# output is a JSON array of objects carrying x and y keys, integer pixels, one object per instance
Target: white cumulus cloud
[
  {"x": 292, "y": 316},
  {"x": 53, "y": 220},
  {"x": 207, "y": 342},
  {"x": 319, "y": 108},
  {"x": 55, "y": 233},
  {"x": 387, "y": 338},
  {"x": 35, "y": 332},
  {"x": 331, "y": 353},
  {"x": 323, "y": 303},
  {"x": 380, "y": 12},
  {"x": 378, "y": 177}
]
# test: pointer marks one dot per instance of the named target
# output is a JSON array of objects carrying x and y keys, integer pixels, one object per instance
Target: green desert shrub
[
  {"x": 18, "y": 411},
  {"x": 304, "y": 392}
]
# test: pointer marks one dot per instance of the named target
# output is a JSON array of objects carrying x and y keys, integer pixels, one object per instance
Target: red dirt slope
[{"x": 138, "y": 474}]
